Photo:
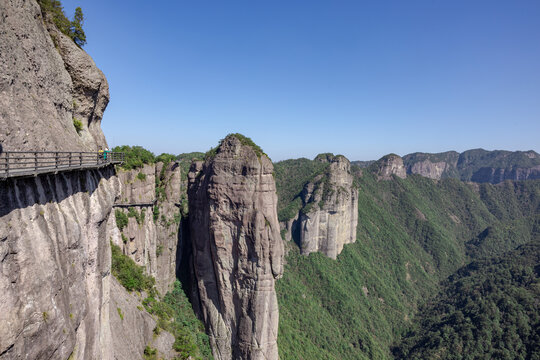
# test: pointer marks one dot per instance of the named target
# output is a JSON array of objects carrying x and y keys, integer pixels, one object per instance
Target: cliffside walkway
[{"x": 31, "y": 163}]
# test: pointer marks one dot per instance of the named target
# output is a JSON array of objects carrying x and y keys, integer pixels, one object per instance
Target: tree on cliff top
[
  {"x": 73, "y": 29},
  {"x": 77, "y": 32}
]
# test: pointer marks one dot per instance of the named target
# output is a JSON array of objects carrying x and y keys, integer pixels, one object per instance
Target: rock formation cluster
[{"x": 237, "y": 250}]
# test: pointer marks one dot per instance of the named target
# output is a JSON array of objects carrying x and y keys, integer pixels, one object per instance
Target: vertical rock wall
[
  {"x": 237, "y": 250},
  {"x": 55, "y": 265},
  {"x": 329, "y": 217},
  {"x": 45, "y": 84},
  {"x": 151, "y": 240}
]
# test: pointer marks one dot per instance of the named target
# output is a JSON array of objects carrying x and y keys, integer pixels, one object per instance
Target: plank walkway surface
[{"x": 31, "y": 163}]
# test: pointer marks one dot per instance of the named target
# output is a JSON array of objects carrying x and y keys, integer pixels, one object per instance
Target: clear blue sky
[{"x": 360, "y": 78}]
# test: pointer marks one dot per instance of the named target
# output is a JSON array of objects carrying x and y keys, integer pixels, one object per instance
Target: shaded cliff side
[
  {"x": 46, "y": 83},
  {"x": 55, "y": 265},
  {"x": 237, "y": 250}
]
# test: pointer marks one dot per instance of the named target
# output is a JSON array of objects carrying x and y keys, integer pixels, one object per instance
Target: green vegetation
[
  {"x": 412, "y": 234},
  {"x": 476, "y": 164},
  {"x": 73, "y": 29},
  {"x": 291, "y": 176},
  {"x": 78, "y": 125},
  {"x": 173, "y": 312},
  {"x": 165, "y": 158},
  {"x": 45, "y": 316},
  {"x": 244, "y": 140},
  {"x": 135, "y": 156},
  {"x": 141, "y": 176},
  {"x": 120, "y": 313},
  {"x": 129, "y": 274},
  {"x": 150, "y": 353},
  {"x": 488, "y": 309},
  {"x": 121, "y": 219},
  {"x": 139, "y": 216}
]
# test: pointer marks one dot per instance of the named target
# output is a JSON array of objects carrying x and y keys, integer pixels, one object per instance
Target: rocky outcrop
[
  {"x": 55, "y": 265},
  {"x": 329, "y": 217},
  {"x": 390, "y": 165},
  {"x": 149, "y": 197},
  {"x": 476, "y": 165},
  {"x": 45, "y": 85},
  {"x": 237, "y": 249}
]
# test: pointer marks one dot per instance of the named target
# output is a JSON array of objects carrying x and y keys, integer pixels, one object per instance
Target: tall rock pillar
[{"x": 237, "y": 249}]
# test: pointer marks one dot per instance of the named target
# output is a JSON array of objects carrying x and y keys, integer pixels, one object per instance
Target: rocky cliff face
[
  {"x": 476, "y": 165},
  {"x": 390, "y": 165},
  {"x": 151, "y": 235},
  {"x": 57, "y": 297},
  {"x": 329, "y": 217},
  {"x": 45, "y": 84},
  {"x": 237, "y": 250},
  {"x": 55, "y": 266}
]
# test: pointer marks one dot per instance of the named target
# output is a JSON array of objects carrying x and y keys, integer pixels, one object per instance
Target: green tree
[{"x": 77, "y": 32}]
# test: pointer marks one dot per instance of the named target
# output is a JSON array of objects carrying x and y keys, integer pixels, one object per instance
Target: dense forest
[{"x": 412, "y": 235}]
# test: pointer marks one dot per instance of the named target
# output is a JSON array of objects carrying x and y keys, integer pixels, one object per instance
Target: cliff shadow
[
  {"x": 295, "y": 232},
  {"x": 20, "y": 193},
  {"x": 185, "y": 272}
]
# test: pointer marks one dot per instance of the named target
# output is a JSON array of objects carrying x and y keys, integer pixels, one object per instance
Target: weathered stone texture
[
  {"x": 391, "y": 165},
  {"x": 43, "y": 87},
  {"x": 330, "y": 214},
  {"x": 55, "y": 265},
  {"x": 152, "y": 243},
  {"x": 237, "y": 250}
]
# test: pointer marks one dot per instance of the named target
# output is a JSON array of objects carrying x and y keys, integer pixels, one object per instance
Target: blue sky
[{"x": 359, "y": 78}]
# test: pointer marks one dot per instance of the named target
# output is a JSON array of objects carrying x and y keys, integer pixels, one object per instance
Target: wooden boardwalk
[{"x": 32, "y": 163}]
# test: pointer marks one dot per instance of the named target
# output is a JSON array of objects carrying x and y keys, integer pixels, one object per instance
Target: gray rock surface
[
  {"x": 237, "y": 250},
  {"x": 43, "y": 87},
  {"x": 329, "y": 217},
  {"x": 476, "y": 165},
  {"x": 390, "y": 165},
  {"x": 55, "y": 265},
  {"x": 152, "y": 243}
]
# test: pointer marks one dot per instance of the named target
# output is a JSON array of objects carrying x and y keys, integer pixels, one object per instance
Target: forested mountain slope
[
  {"x": 412, "y": 233},
  {"x": 488, "y": 309}
]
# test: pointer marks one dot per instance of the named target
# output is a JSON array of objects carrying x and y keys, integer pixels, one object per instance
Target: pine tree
[{"x": 77, "y": 32}]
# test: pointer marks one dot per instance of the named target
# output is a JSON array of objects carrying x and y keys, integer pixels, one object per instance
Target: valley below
[{"x": 229, "y": 255}]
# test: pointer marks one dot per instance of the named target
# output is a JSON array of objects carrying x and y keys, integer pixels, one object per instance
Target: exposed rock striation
[
  {"x": 151, "y": 235},
  {"x": 46, "y": 84},
  {"x": 55, "y": 265},
  {"x": 329, "y": 217},
  {"x": 237, "y": 249}
]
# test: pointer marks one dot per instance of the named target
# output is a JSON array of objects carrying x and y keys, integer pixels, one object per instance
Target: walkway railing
[{"x": 25, "y": 163}]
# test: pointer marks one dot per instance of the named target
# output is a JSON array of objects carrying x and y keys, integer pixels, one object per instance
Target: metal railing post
[
  {"x": 56, "y": 160},
  {"x": 35, "y": 163},
  {"x": 80, "y": 159},
  {"x": 7, "y": 164},
  {"x": 69, "y": 160}
]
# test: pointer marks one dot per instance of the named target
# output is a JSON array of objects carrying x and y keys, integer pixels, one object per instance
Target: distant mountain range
[{"x": 477, "y": 165}]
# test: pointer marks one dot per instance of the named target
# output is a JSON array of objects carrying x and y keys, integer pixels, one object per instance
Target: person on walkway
[
  {"x": 105, "y": 153},
  {"x": 101, "y": 153}
]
